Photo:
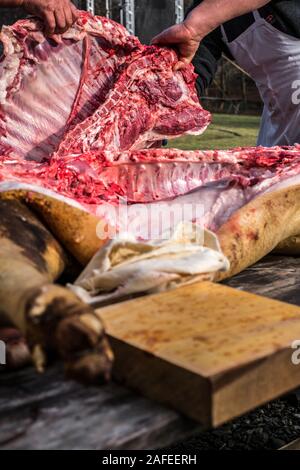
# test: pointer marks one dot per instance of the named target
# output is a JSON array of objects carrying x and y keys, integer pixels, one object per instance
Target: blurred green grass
[{"x": 226, "y": 131}]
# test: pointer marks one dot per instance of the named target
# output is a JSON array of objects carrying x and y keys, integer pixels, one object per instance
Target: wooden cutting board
[{"x": 207, "y": 350}]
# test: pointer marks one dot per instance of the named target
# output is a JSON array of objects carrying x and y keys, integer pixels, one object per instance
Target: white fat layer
[{"x": 292, "y": 181}]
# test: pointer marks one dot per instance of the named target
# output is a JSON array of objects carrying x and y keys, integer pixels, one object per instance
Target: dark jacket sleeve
[
  {"x": 206, "y": 61},
  {"x": 207, "y": 57}
]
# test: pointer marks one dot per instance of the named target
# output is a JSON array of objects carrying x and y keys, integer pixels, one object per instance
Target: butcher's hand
[
  {"x": 184, "y": 38},
  {"x": 203, "y": 19},
  {"x": 58, "y": 15}
]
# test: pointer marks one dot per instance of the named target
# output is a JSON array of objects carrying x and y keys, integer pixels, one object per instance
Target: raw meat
[
  {"x": 77, "y": 120},
  {"x": 158, "y": 174},
  {"x": 99, "y": 88},
  {"x": 220, "y": 181}
]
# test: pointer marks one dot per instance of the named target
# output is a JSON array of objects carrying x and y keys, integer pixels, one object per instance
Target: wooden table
[{"x": 45, "y": 412}]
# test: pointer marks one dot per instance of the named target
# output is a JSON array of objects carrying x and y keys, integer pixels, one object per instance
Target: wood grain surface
[
  {"x": 46, "y": 412},
  {"x": 208, "y": 350}
]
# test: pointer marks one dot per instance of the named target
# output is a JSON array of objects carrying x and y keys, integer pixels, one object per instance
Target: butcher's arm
[
  {"x": 203, "y": 19},
  {"x": 57, "y": 15}
]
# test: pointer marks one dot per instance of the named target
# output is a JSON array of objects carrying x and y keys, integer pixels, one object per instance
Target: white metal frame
[
  {"x": 108, "y": 8},
  {"x": 127, "y": 12},
  {"x": 179, "y": 11},
  {"x": 90, "y": 6},
  {"x": 130, "y": 15},
  {"x": 121, "y": 5}
]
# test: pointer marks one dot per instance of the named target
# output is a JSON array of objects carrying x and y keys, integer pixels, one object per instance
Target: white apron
[{"x": 272, "y": 59}]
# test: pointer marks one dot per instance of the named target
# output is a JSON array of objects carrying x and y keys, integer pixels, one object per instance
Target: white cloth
[
  {"x": 126, "y": 266},
  {"x": 272, "y": 59}
]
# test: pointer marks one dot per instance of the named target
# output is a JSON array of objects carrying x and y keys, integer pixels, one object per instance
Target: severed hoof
[{"x": 57, "y": 320}]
